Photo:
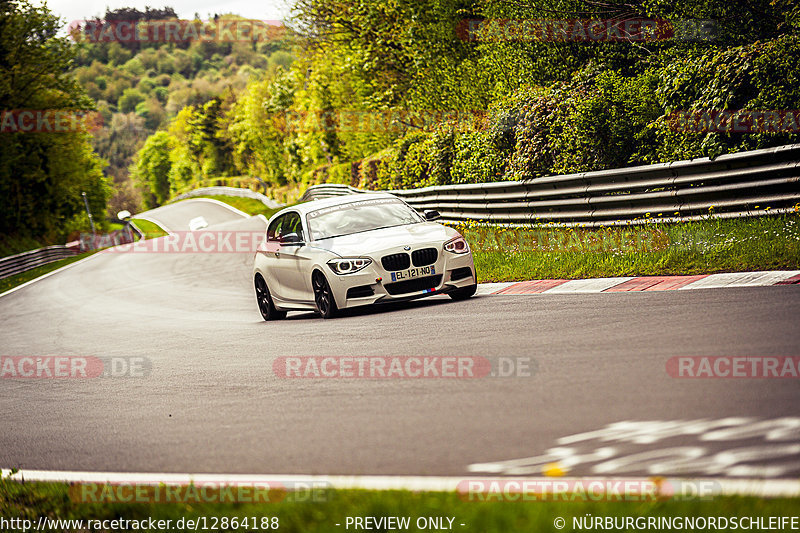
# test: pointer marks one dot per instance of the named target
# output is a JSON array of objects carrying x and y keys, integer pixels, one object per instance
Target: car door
[
  {"x": 294, "y": 260},
  {"x": 271, "y": 250}
]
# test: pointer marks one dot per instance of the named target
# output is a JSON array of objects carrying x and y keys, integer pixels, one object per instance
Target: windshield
[{"x": 356, "y": 217}]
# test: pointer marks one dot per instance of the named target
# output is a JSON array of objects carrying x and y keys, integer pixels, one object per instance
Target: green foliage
[
  {"x": 406, "y": 165},
  {"x": 129, "y": 100},
  {"x": 761, "y": 76},
  {"x": 595, "y": 121},
  {"x": 152, "y": 169},
  {"x": 152, "y": 112},
  {"x": 310, "y": 113},
  {"x": 43, "y": 174},
  {"x": 476, "y": 159}
]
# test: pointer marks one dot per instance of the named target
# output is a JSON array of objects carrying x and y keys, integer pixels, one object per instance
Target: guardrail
[
  {"x": 735, "y": 185},
  {"x": 230, "y": 191},
  {"x": 328, "y": 190},
  {"x": 16, "y": 264}
]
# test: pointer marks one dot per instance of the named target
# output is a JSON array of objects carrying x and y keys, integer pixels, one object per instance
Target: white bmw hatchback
[{"x": 356, "y": 250}]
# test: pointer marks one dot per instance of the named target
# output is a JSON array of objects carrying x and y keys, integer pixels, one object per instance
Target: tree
[
  {"x": 152, "y": 169},
  {"x": 129, "y": 100},
  {"x": 42, "y": 174}
]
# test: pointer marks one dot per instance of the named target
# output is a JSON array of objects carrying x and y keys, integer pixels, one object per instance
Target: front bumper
[{"x": 352, "y": 290}]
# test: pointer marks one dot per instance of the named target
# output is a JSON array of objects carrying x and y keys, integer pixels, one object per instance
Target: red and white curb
[
  {"x": 643, "y": 283},
  {"x": 763, "y": 488}
]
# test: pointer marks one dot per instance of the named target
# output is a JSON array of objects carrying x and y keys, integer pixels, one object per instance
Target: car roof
[{"x": 313, "y": 205}]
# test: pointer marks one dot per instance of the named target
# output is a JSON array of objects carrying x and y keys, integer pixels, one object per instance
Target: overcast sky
[{"x": 253, "y": 9}]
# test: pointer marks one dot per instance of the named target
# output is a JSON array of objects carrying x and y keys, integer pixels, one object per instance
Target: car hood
[{"x": 367, "y": 242}]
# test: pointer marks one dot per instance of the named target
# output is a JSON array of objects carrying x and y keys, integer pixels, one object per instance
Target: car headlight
[
  {"x": 348, "y": 265},
  {"x": 457, "y": 246}
]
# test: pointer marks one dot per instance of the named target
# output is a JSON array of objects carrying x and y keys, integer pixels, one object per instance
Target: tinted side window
[
  {"x": 292, "y": 224},
  {"x": 274, "y": 230}
]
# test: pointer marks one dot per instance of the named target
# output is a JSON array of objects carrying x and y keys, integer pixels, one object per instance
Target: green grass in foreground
[
  {"x": 251, "y": 206},
  {"x": 702, "y": 247},
  {"x": 150, "y": 230},
  {"x": 32, "y": 500},
  {"x": 10, "y": 282}
]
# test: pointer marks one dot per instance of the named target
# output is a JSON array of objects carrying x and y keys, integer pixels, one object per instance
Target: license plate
[{"x": 411, "y": 273}]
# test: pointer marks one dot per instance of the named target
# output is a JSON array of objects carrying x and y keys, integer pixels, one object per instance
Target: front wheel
[
  {"x": 323, "y": 296},
  {"x": 463, "y": 293},
  {"x": 264, "y": 299}
]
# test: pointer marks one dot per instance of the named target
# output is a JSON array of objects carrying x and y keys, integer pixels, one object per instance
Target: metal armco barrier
[
  {"x": 735, "y": 185},
  {"x": 329, "y": 190},
  {"x": 94, "y": 241},
  {"x": 230, "y": 191},
  {"x": 18, "y": 263}
]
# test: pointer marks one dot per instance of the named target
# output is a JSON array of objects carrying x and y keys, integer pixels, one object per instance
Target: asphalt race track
[{"x": 211, "y": 403}]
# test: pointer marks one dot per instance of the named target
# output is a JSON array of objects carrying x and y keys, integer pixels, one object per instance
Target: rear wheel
[
  {"x": 264, "y": 300},
  {"x": 323, "y": 296},
  {"x": 463, "y": 293}
]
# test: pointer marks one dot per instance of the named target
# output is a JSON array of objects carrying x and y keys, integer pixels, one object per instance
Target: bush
[
  {"x": 145, "y": 85},
  {"x": 760, "y": 76},
  {"x": 476, "y": 159},
  {"x": 129, "y": 100},
  {"x": 161, "y": 94},
  {"x": 406, "y": 164},
  {"x": 117, "y": 54},
  {"x": 134, "y": 67}
]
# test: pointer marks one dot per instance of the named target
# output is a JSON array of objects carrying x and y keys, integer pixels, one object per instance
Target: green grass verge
[
  {"x": 52, "y": 500},
  {"x": 702, "y": 247},
  {"x": 16, "y": 280},
  {"x": 251, "y": 206},
  {"x": 150, "y": 229},
  {"x": 547, "y": 252}
]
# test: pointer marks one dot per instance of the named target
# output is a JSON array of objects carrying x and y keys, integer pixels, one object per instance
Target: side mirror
[
  {"x": 431, "y": 214},
  {"x": 290, "y": 239}
]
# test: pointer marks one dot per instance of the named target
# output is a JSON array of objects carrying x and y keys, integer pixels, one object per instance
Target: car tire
[
  {"x": 264, "y": 300},
  {"x": 463, "y": 293},
  {"x": 323, "y": 295}
]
